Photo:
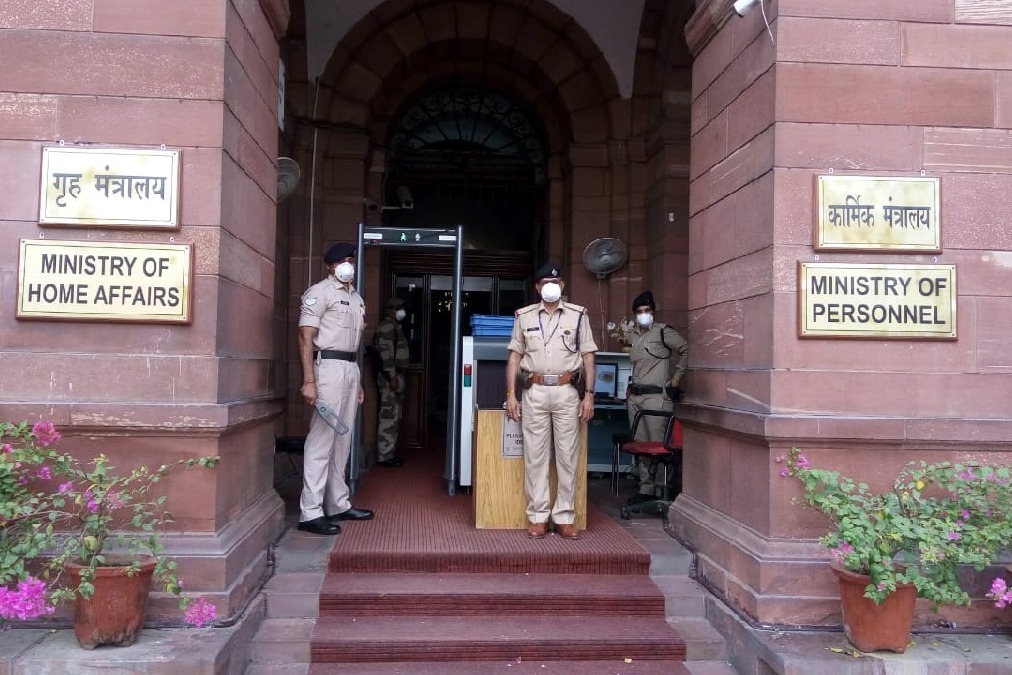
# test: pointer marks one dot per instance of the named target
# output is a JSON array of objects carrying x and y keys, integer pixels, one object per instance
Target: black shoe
[
  {"x": 351, "y": 514},
  {"x": 321, "y": 525},
  {"x": 640, "y": 498},
  {"x": 392, "y": 462}
]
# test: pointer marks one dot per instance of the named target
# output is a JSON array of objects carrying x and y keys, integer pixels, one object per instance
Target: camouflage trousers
[{"x": 390, "y": 405}]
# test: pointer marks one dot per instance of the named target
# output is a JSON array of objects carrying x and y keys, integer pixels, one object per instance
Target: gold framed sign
[
  {"x": 85, "y": 281},
  {"x": 866, "y": 213},
  {"x": 109, "y": 187},
  {"x": 876, "y": 301}
]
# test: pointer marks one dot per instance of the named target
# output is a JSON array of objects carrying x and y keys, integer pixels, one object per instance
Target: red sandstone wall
[
  {"x": 876, "y": 88},
  {"x": 198, "y": 76}
]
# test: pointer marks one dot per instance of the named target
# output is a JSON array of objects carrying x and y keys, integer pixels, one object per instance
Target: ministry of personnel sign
[
  {"x": 877, "y": 301},
  {"x": 112, "y": 281}
]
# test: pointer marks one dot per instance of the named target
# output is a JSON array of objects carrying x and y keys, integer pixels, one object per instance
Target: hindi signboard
[
  {"x": 877, "y": 301},
  {"x": 869, "y": 213},
  {"x": 80, "y": 280},
  {"x": 109, "y": 187}
]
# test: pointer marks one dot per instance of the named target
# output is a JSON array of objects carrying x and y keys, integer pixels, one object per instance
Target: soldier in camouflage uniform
[{"x": 393, "y": 353}]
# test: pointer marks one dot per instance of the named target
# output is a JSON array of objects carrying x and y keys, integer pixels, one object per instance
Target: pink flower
[
  {"x": 65, "y": 487},
  {"x": 45, "y": 473},
  {"x": 955, "y": 536},
  {"x": 780, "y": 459},
  {"x": 114, "y": 500},
  {"x": 784, "y": 472},
  {"x": 803, "y": 462},
  {"x": 27, "y": 601},
  {"x": 965, "y": 514},
  {"x": 7, "y": 447},
  {"x": 841, "y": 551},
  {"x": 92, "y": 505},
  {"x": 45, "y": 433},
  {"x": 200, "y": 613}
]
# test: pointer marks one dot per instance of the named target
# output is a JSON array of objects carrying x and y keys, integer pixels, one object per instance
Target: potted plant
[
  {"x": 84, "y": 532},
  {"x": 890, "y": 547}
]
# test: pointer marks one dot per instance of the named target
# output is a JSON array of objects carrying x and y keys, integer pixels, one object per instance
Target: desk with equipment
[{"x": 490, "y": 461}]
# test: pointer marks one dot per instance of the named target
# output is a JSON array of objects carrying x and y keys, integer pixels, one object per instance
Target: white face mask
[
  {"x": 400, "y": 315},
  {"x": 645, "y": 320},
  {"x": 551, "y": 292},
  {"x": 344, "y": 272}
]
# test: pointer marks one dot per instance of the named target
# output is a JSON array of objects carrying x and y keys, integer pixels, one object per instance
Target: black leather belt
[
  {"x": 642, "y": 389},
  {"x": 337, "y": 354}
]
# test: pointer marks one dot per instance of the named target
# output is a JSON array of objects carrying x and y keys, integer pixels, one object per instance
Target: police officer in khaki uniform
[
  {"x": 654, "y": 385},
  {"x": 392, "y": 347},
  {"x": 331, "y": 320},
  {"x": 551, "y": 341}
]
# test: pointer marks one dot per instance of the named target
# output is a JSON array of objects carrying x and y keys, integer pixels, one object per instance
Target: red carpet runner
[{"x": 419, "y": 590}]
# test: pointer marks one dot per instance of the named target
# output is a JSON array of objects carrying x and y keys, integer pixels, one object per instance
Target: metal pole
[
  {"x": 312, "y": 192},
  {"x": 453, "y": 418},
  {"x": 354, "y": 456}
]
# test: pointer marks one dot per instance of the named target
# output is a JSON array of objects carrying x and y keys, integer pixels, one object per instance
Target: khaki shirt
[
  {"x": 337, "y": 313},
  {"x": 548, "y": 343},
  {"x": 650, "y": 353}
]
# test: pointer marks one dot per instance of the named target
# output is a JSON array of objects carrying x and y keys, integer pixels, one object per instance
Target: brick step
[
  {"x": 399, "y": 594},
  {"x": 567, "y": 558},
  {"x": 518, "y": 667},
  {"x": 362, "y": 638}
]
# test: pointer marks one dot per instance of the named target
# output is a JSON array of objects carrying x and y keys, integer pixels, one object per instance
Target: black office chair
[{"x": 665, "y": 455}]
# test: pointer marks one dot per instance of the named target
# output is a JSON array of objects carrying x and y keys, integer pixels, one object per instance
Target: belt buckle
[{"x": 550, "y": 380}]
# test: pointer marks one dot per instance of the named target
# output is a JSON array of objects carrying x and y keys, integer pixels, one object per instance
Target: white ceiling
[{"x": 613, "y": 25}]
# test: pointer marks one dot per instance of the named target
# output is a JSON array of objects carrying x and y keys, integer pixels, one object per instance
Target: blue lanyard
[{"x": 542, "y": 328}]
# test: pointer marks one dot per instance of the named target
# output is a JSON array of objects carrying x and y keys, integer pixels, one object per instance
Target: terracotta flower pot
[
  {"x": 871, "y": 627},
  {"x": 114, "y": 614}
]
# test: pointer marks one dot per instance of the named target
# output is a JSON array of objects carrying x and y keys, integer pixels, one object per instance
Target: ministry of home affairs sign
[{"x": 80, "y": 280}]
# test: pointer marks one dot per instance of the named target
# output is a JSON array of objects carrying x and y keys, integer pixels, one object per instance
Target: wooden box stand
[{"x": 499, "y": 499}]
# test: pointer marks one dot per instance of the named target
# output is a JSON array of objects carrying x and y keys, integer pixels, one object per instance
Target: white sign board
[
  {"x": 109, "y": 187},
  {"x": 512, "y": 438}
]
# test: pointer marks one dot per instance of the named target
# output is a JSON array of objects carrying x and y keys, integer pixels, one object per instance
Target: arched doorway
[{"x": 460, "y": 155}]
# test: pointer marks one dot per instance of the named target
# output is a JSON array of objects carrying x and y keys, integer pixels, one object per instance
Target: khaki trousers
[
  {"x": 550, "y": 413},
  {"x": 326, "y": 452}
]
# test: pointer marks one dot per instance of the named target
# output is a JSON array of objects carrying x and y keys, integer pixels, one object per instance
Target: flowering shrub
[
  {"x": 935, "y": 518},
  {"x": 54, "y": 510}
]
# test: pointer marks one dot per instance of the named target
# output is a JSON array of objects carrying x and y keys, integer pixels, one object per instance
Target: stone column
[
  {"x": 199, "y": 76},
  {"x": 867, "y": 89}
]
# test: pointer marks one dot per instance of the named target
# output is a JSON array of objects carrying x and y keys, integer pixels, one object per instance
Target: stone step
[
  {"x": 683, "y": 596},
  {"x": 282, "y": 642},
  {"x": 363, "y": 638},
  {"x": 294, "y": 595},
  {"x": 399, "y": 594},
  {"x": 558, "y": 666},
  {"x": 703, "y": 642}
]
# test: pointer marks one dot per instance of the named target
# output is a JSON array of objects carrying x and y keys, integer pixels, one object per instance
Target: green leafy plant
[
  {"x": 935, "y": 518},
  {"x": 55, "y": 509}
]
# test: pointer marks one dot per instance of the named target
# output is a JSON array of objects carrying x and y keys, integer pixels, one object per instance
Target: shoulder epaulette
[
  {"x": 524, "y": 310},
  {"x": 575, "y": 308}
]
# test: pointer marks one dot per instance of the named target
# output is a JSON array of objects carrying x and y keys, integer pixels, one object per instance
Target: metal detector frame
[{"x": 420, "y": 237}]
